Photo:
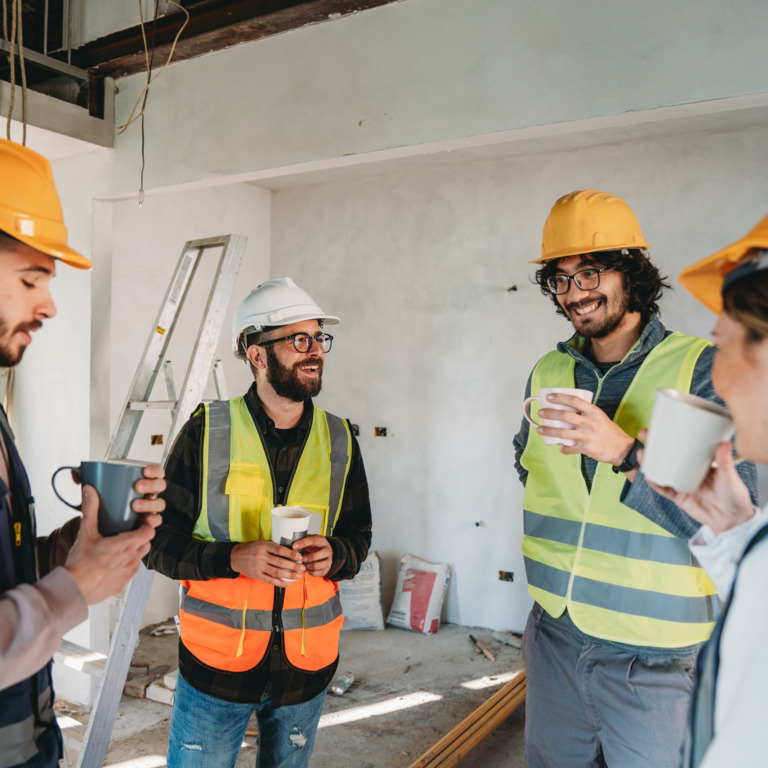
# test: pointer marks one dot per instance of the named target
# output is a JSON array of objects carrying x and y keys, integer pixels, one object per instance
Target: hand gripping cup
[
  {"x": 543, "y": 401},
  {"x": 114, "y": 485},
  {"x": 289, "y": 524}
]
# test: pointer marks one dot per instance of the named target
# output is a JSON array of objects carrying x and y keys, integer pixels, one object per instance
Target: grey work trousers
[{"x": 591, "y": 705}]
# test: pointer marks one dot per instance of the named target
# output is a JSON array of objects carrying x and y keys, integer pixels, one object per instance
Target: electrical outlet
[
  {"x": 355, "y": 429},
  {"x": 506, "y": 576}
]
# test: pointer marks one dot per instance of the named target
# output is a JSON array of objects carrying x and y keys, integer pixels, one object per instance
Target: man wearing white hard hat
[
  {"x": 620, "y": 605},
  {"x": 46, "y": 584},
  {"x": 259, "y": 622}
]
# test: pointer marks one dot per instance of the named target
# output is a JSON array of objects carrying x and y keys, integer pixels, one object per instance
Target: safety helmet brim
[
  {"x": 63, "y": 253},
  {"x": 704, "y": 279}
]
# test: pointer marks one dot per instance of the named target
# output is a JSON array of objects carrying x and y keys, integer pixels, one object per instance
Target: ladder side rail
[
  {"x": 104, "y": 710},
  {"x": 191, "y": 392},
  {"x": 155, "y": 350}
]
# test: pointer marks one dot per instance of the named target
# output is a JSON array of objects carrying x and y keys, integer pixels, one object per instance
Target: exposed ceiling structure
[{"x": 77, "y": 75}]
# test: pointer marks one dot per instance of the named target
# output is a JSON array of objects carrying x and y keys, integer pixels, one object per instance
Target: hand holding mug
[
  {"x": 722, "y": 501},
  {"x": 102, "y": 565}
]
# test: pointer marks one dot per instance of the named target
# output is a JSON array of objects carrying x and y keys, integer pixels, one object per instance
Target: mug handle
[
  {"x": 528, "y": 401},
  {"x": 76, "y": 470}
]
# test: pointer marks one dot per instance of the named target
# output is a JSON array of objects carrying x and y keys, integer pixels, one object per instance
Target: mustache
[{"x": 35, "y": 325}]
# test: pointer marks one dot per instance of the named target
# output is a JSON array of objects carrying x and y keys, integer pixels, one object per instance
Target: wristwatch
[{"x": 630, "y": 460}]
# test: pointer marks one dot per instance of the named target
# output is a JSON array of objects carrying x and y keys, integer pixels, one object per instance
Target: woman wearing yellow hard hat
[{"x": 727, "y": 721}]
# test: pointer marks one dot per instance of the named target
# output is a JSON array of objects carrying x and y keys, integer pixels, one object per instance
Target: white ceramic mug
[
  {"x": 543, "y": 400},
  {"x": 682, "y": 437},
  {"x": 289, "y": 524}
]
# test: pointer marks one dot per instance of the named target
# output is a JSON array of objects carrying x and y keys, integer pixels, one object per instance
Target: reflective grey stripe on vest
[
  {"x": 218, "y": 469},
  {"x": 261, "y": 621},
  {"x": 638, "y": 602},
  {"x": 613, "y": 541},
  {"x": 339, "y": 457},
  {"x": 17, "y": 740}
]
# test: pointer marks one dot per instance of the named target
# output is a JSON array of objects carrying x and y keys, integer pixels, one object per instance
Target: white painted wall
[{"x": 433, "y": 346}]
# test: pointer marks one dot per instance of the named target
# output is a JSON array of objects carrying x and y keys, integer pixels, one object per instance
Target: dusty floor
[{"x": 410, "y": 690}]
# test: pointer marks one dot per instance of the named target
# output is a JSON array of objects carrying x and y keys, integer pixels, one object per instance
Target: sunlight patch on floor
[
  {"x": 148, "y": 761},
  {"x": 380, "y": 708},
  {"x": 490, "y": 681}
]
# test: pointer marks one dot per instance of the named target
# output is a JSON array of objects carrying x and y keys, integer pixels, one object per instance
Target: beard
[
  {"x": 9, "y": 356},
  {"x": 598, "y": 329},
  {"x": 286, "y": 382}
]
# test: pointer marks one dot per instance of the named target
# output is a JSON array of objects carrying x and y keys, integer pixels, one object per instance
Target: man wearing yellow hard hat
[
  {"x": 727, "y": 715},
  {"x": 621, "y": 606},
  {"x": 46, "y": 584}
]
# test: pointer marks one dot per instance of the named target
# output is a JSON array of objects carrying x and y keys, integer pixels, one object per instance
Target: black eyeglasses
[
  {"x": 585, "y": 279},
  {"x": 302, "y": 342}
]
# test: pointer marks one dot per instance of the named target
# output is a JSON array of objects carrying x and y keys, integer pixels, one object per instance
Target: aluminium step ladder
[{"x": 113, "y": 668}]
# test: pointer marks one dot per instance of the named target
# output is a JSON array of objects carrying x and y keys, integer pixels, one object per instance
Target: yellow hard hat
[
  {"x": 588, "y": 221},
  {"x": 705, "y": 278},
  {"x": 30, "y": 209}
]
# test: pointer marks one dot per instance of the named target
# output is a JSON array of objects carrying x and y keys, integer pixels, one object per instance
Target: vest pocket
[
  {"x": 245, "y": 488},
  {"x": 244, "y": 480}
]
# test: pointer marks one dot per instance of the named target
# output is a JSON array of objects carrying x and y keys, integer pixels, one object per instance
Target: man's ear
[{"x": 257, "y": 356}]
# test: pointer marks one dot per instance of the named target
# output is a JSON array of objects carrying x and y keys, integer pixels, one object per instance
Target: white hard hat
[{"x": 277, "y": 302}]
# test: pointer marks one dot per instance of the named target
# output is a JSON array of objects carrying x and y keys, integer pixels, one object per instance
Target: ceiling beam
[{"x": 213, "y": 26}]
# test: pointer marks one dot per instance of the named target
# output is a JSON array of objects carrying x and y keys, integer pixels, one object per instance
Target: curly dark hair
[{"x": 642, "y": 279}]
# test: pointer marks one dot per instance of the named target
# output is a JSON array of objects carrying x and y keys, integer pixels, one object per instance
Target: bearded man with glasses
[
  {"x": 259, "y": 622},
  {"x": 621, "y": 607}
]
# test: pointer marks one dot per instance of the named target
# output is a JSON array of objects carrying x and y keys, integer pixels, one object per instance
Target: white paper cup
[
  {"x": 289, "y": 524},
  {"x": 682, "y": 437},
  {"x": 542, "y": 400}
]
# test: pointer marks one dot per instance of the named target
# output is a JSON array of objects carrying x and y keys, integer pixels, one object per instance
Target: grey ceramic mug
[{"x": 114, "y": 484}]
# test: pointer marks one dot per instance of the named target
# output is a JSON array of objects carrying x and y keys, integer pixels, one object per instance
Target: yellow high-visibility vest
[
  {"x": 227, "y": 623},
  {"x": 620, "y": 576}
]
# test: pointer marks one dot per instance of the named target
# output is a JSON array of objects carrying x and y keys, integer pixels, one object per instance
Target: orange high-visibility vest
[{"x": 228, "y": 623}]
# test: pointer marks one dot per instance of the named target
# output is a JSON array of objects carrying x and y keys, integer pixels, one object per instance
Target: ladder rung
[
  {"x": 77, "y": 657},
  {"x": 146, "y": 405}
]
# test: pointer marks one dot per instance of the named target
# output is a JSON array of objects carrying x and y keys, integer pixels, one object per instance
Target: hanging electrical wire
[
  {"x": 15, "y": 39},
  {"x": 133, "y": 117}
]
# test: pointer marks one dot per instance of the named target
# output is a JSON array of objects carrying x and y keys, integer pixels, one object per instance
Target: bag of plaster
[
  {"x": 419, "y": 595},
  {"x": 361, "y": 597}
]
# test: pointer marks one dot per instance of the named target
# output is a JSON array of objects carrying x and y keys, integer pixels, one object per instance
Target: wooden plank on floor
[{"x": 460, "y": 741}]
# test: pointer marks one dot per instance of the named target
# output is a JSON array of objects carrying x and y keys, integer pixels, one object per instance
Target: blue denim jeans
[{"x": 207, "y": 732}]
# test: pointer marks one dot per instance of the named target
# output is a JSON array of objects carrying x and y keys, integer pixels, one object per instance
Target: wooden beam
[
  {"x": 459, "y": 742},
  {"x": 213, "y": 26}
]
